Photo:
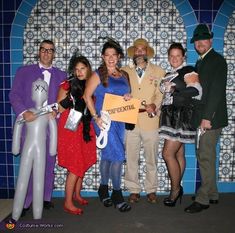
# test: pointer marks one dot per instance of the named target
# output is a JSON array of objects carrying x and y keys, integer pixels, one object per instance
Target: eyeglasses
[{"x": 44, "y": 50}]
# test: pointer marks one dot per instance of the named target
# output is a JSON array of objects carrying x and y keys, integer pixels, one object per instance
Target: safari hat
[
  {"x": 201, "y": 32},
  {"x": 140, "y": 41}
]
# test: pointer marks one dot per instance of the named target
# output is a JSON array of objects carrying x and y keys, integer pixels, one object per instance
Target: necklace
[{"x": 114, "y": 73}]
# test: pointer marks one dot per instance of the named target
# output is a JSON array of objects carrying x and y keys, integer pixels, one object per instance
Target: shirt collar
[
  {"x": 203, "y": 55},
  {"x": 178, "y": 68},
  {"x": 41, "y": 66}
]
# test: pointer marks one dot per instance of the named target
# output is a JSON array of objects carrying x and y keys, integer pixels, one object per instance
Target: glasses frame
[{"x": 45, "y": 50}]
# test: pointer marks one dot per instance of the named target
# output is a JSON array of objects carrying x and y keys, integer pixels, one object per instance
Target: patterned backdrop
[
  {"x": 227, "y": 150},
  {"x": 75, "y": 24}
]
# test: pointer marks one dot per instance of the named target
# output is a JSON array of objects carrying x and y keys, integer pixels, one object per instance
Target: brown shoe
[
  {"x": 134, "y": 197},
  {"x": 152, "y": 198}
]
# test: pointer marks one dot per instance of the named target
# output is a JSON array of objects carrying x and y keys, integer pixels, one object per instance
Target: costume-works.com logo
[{"x": 10, "y": 226}]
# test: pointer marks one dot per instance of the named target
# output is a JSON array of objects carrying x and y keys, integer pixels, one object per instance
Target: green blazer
[{"x": 212, "y": 70}]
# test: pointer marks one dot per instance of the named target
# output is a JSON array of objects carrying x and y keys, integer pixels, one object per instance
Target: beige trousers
[{"x": 150, "y": 141}]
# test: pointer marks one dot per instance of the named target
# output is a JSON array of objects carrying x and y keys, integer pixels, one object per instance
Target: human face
[
  {"x": 46, "y": 54},
  {"x": 202, "y": 46},
  {"x": 175, "y": 58},
  {"x": 140, "y": 50},
  {"x": 111, "y": 57},
  {"x": 81, "y": 71}
]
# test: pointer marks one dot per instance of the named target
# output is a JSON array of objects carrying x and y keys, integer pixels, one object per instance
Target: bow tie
[{"x": 48, "y": 69}]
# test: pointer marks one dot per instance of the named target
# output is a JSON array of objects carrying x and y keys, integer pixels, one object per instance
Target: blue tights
[{"x": 111, "y": 170}]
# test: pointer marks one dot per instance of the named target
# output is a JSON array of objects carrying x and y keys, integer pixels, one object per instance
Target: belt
[{"x": 142, "y": 110}]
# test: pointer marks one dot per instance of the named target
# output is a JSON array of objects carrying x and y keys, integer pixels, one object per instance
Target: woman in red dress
[{"x": 76, "y": 146}]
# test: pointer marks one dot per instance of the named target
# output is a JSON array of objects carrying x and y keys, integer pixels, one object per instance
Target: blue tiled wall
[{"x": 8, "y": 10}]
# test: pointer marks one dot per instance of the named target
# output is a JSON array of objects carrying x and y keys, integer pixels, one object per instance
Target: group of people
[{"x": 173, "y": 106}]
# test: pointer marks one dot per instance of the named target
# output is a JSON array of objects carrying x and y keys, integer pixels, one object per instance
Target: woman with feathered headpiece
[
  {"x": 108, "y": 78},
  {"x": 76, "y": 143}
]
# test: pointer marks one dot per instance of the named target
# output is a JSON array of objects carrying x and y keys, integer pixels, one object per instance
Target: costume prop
[
  {"x": 120, "y": 109},
  {"x": 102, "y": 139},
  {"x": 42, "y": 111},
  {"x": 199, "y": 133},
  {"x": 33, "y": 155}
]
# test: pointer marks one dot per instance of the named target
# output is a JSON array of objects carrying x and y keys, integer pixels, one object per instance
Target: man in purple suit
[{"x": 21, "y": 101}]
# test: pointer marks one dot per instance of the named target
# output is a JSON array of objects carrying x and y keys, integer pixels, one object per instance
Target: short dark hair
[
  {"x": 46, "y": 42},
  {"x": 177, "y": 46}
]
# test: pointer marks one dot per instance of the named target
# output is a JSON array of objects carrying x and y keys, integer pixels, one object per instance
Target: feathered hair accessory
[
  {"x": 110, "y": 42},
  {"x": 73, "y": 61}
]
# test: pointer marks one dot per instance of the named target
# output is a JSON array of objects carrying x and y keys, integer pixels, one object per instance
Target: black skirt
[{"x": 175, "y": 124}]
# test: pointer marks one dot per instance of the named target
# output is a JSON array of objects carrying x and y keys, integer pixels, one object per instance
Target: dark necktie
[{"x": 139, "y": 72}]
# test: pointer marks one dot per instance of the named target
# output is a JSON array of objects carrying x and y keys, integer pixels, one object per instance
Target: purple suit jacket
[{"x": 21, "y": 92}]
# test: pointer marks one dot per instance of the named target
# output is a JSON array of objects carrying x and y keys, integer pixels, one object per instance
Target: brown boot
[
  {"x": 152, "y": 198},
  {"x": 134, "y": 197}
]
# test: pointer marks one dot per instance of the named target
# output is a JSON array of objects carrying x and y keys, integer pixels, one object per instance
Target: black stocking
[{"x": 173, "y": 154}]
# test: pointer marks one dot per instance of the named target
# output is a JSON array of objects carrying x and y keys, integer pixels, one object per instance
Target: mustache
[{"x": 140, "y": 58}]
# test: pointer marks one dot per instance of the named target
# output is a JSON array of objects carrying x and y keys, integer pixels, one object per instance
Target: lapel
[
  {"x": 134, "y": 76},
  {"x": 52, "y": 85}
]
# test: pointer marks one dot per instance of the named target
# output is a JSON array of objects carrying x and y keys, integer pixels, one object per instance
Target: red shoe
[
  {"x": 75, "y": 212},
  {"x": 81, "y": 201}
]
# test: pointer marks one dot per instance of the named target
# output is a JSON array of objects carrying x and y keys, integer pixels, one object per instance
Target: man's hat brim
[
  {"x": 131, "y": 49},
  {"x": 204, "y": 36}
]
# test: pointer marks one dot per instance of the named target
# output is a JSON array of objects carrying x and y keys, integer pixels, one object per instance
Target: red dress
[{"x": 73, "y": 152}]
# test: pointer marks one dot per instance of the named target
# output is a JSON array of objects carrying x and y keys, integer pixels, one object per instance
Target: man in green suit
[{"x": 211, "y": 115}]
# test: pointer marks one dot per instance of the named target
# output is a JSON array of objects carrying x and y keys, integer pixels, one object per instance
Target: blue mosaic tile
[
  {"x": 4, "y": 193},
  {"x": 3, "y": 171},
  {"x": 3, "y": 181},
  {"x": 8, "y": 17},
  {"x": 6, "y": 58},
  {"x": 206, "y": 16},
  {"x": 11, "y": 182},
  {"x": 194, "y": 4},
  {"x": 1, "y": 104},
  {"x": 2, "y": 133},
  {"x": 6, "y": 42},
  {"x": 3, "y": 158},
  {"x": 10, "y": 170},
  {"x": 206, "y": 5},
  {"x": 217, "y": 4},
  {"x": 7, "y": 30},
  {"x": 11, "y": 192}
]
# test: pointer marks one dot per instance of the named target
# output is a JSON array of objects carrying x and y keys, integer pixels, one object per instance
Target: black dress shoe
[
  {"x": 211, "y": 201},
  {"x": 195, "y": 208},
  {"x": 24, "y": 211},
  {"x": 48, "y": 205}
]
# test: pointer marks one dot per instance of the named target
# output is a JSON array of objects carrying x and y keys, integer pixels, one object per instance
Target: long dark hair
[
  {"x": 103, "y": 71},
  {"x": 75, "y": 59},
  {"x": 77, "y": 86}
]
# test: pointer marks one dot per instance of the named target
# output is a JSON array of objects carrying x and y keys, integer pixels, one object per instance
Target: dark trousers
[{"x": 206, "y": 156}]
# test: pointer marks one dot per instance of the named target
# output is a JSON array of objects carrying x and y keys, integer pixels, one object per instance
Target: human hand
[
  {"x": 53, "y": 114},
  {"x": 127, "y": 96},
  {"x": 191, "y": 78},
  {"x": 205, "y": 124},
  {"x": 29, "y": 116},
  {"x": 99, "y": 122},
  {"x": 150, "y": 108},
  {"x": 169, "y": 87}
]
